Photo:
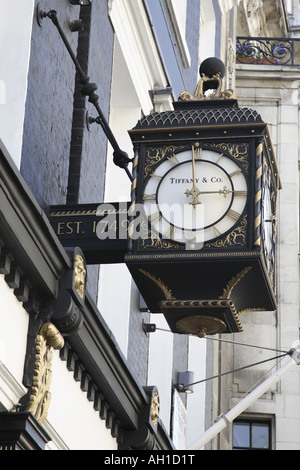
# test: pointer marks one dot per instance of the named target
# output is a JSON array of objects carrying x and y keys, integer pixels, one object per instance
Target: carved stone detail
[
  {"x": 79, "y": 275},
  {"x": 155, "y": 408},
  {"x": 49, "y": 337}
]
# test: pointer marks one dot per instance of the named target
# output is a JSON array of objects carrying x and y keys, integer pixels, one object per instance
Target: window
[{"x": 251, "y": 435}]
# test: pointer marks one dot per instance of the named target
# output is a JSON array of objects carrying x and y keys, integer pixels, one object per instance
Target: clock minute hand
[{"x": 194, "y": 192}]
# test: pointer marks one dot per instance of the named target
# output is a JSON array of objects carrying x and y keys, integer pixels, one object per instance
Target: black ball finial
[{"x": 211, "y": 66}]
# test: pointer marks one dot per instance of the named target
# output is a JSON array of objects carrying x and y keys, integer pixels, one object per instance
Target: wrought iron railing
[{"x": 270, "y": 51}]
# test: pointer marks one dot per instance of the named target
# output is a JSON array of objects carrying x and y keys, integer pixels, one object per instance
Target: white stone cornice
[
  {"x": 10, "y": 389},
  {"x": 139, "y": 48},
  {"x": 180, "y": 36}
]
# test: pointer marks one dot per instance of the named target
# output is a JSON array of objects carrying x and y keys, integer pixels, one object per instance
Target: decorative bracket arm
[
  {"x": 143, "y": 438},
  {"x": 121, "y": 158},
  {"x": 61, "y": 316}
]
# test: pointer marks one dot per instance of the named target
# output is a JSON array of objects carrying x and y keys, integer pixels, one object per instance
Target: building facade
[
  {"x": 277, "y": 411},
  {"x": 109, "y": 358}
]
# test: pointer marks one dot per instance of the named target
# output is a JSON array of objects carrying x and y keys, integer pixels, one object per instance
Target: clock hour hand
[
  {"x": 195, "y": 192},
  {"x": 225, "y": 191}
]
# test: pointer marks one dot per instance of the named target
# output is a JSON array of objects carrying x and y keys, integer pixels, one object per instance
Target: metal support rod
[
  {"x": 120, "y": 157},
  {"x": 226, "y": 419}
]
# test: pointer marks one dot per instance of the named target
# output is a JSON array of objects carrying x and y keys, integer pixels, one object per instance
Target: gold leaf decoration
[
  {"x": 233, "y": 282},
  {"x": 49, "y": 337},
  {"x": 167, "y": 293}
]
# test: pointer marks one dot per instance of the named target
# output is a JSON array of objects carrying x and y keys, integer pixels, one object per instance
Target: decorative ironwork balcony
[{"x": 270, "y": 51}]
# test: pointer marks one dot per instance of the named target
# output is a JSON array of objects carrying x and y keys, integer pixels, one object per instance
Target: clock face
[
  {"x": 268, "y": 220},
  {"x": 195, "y": 196}
]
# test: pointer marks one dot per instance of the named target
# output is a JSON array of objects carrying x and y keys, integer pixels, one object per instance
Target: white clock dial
[
  {"x": 268, "y": 220},
  {"x": 195, "y": 196}
]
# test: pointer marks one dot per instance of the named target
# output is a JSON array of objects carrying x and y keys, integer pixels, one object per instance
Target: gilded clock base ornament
[
  {"x": 201, "y": 317},
  {"x": 201, "y": 326},
  {"x": 206, "y": 177}
]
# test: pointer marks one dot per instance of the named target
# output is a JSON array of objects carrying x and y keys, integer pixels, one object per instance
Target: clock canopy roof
[
  {"x": 196, "y": 115},
  {"x": 207, "y": 114},
  {"x": 208, "y": 106}
]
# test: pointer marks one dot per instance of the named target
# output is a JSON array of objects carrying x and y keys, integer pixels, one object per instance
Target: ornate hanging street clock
[{"x": 205, "y": 182}]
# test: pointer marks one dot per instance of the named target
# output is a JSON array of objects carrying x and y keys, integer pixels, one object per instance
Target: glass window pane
[
  {"x": 260, "y": 436},
  {"x": 241, "y": 435}
]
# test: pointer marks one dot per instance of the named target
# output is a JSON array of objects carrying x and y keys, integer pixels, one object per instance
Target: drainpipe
[{"x": 226, "y": 419}]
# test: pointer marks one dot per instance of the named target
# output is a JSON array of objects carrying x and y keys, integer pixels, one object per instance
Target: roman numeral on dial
[
  {"x": 216, "y": 232},
  {"x": 173, "y": 159},
  {"x": 234, "y": 173},
  {"x": 198, "y": 153},
  {"x": 155, "y": 217},
  {"x": 233, "y": 214},
  {"x": 170, "y": 232},
  {"x": 154, "y": 175},
  {"x": 219, "y": 158}
]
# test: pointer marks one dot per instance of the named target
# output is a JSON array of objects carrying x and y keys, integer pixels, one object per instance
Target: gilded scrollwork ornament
[
  {"x": 49, "y": 337},
  {"x": 238, "y": 152},
  {"x": 203, "y": 85},
  {"x": 166, "y": 291},
  {"x": 154, "y": 414},
  {"x": 236, "y": 237},
  {"x": 233, "y": 282},
  {"x": 79, "y": 275},
  {"x": 155, "y": 155}
]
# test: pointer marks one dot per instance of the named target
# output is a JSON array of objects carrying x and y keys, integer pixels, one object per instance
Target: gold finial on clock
[{"x": 209, "y": 87}]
